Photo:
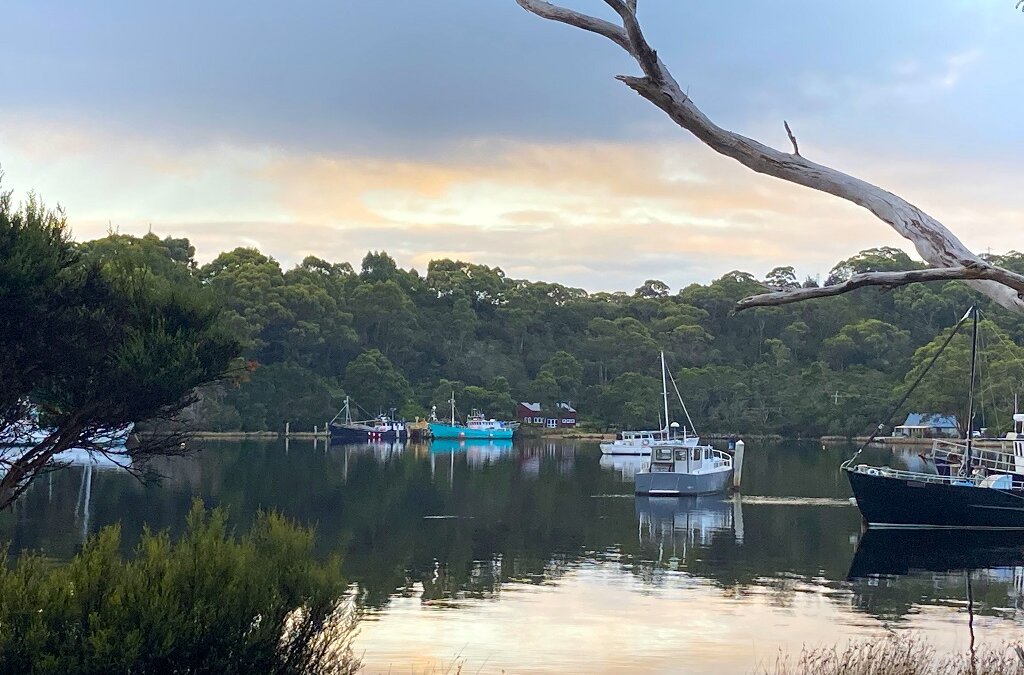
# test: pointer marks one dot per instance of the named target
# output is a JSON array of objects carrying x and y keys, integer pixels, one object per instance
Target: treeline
[{"x": 399, "y": 338}]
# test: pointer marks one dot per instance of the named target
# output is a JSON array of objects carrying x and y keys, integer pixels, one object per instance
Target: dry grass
[{"x": 897, "y": 655}]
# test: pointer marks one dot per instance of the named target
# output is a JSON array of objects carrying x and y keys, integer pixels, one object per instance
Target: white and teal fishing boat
[{"x": 476, "y": 426}]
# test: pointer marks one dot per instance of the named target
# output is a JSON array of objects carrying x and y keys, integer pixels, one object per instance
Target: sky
[{"x": 471, "y": 129}]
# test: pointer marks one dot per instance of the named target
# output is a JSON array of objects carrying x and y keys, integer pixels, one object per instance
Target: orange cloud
[{"x": 604, "y": 216}]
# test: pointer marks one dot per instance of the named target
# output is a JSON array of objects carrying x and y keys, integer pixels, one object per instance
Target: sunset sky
[{"x": 471, "y": 129}]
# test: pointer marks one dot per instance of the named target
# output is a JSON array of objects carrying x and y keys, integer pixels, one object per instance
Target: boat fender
[
  {"x": 645, "y": 442},
  {"x": 873, "y": 472}
]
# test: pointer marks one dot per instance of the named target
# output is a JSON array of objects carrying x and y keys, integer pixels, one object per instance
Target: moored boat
[
  {"x": 641, "y": 442},
  {"x": 381, "y": 428},
  {"x": 700, "y": 470},
  {"x": 477, "y": 426},
  {"x": 969, "y": 488},
  {"x": 679, "y": 468}
]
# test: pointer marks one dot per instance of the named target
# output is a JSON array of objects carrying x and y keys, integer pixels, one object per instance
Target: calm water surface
[{"x": 537, "y": 557}]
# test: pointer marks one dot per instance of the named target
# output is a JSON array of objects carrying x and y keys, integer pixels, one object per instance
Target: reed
[{"x": 897, "y": 655}]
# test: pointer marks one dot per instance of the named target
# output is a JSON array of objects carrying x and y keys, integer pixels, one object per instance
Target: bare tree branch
[
  {"x": 973, "y": 271},
  {"x": 546, "y": 10},
  {"x": 792, "y": 138},
  {"x": 934, "y": 242}
]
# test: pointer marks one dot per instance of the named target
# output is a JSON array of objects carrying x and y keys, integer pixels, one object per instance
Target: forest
[{"x": 405, "y": 339}]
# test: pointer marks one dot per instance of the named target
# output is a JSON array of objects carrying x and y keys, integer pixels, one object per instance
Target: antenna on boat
[
  {"x": 974, "y": 378},
  {"x": 664, "y": 392}
]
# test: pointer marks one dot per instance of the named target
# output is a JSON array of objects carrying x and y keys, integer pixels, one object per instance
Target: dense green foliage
[
  {"x": 390, "y": 337},
  {"x": 95, "y": 336},
  {"x": 207, "y": 603},
  {"x": 398, "y": 338}
]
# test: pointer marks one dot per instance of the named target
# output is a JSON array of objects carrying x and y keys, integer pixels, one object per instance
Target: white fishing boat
[
  {"x": 641, "y": 442},
  {"x": 679, "y": 469}
]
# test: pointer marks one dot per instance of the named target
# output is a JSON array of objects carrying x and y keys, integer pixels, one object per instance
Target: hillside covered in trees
[{"x": 394, "y": 337}]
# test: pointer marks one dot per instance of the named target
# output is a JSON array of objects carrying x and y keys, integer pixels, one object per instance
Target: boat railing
[
  {"x": 978, "y": 480},
  {"x": 1000, "y": 459}
]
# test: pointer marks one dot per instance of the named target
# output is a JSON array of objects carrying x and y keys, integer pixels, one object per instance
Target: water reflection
[
  {"x": 675, "y": 531},
  {"x": 538, "y": 526},
  {"x": 625, "y": 466}
]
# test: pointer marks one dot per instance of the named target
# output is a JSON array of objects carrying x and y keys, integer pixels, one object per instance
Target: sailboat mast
[
  {"x": 452, "y": 401},
  {"x": 974, "y": 374},
  {"x": 664, "y": 392}
]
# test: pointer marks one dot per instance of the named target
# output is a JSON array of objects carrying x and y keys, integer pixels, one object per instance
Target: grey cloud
[{"x": 408, "y": 77}]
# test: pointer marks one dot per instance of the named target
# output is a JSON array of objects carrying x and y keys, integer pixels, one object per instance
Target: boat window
[
  {"x": 696, "y": 454},
  {"x": 680, "y": 455},
  {"x": 663, "y": 454},
  {"x": 707, "y": 453}
]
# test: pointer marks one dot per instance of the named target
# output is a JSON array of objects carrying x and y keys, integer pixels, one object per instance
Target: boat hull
[
  {"x": 346, "y": 434},
  {"x": 638, "y": 449},
  {"x": 448, "y": 431},
  {"x": 611, "y": 449},
  {"x": 668, "y": 483},
  {"x": 888, "y": 501}
]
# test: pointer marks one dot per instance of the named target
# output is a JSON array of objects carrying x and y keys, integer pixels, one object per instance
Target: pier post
[
  {"x": 737, "y": 465},
  {"x": 287, "y": 429}
]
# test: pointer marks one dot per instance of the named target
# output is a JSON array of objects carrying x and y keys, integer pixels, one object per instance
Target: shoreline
[
  {"x": 913, "y": 442},
  {"x": 551, "y": 435}
]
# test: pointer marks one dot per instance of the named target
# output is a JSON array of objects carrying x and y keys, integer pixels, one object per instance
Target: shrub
[{"x": 210, "y": 602}]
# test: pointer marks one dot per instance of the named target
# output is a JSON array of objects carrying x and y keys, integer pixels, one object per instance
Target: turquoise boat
[{"x": 477, "y": 427}]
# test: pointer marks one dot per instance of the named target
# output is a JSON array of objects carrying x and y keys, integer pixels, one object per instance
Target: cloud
[{"x": 600, "y": 215}]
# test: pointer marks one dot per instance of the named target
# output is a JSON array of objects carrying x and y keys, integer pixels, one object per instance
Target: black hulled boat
[
  {"x": 382, "y": 428},
  {"x": 970, "y": 488}
]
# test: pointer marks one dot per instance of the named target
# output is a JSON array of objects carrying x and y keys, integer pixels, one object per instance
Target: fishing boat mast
[
  {"x": 970, "y": 404},
  {"x": 664, "y": 393}
]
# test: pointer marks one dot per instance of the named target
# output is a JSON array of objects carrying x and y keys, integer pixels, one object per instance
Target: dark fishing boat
[
  {"x": 381, "y": 428},
  {"x": 970, "y": 487}
]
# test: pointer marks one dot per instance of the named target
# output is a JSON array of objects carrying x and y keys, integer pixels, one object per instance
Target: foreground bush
[
  {"x": 207, "y": 603},
  {"x": 898, "y": 655}
]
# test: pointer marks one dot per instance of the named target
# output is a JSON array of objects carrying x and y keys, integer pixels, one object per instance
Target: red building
[{"x": 562, "y": 416}]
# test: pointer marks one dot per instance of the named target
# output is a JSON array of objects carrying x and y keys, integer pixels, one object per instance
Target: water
[{"x": 537, "y": 558}]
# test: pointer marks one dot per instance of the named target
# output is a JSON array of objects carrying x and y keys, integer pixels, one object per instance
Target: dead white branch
[
  {"x": 973, "y": 272},
  {"x": 934, "y": 242}
]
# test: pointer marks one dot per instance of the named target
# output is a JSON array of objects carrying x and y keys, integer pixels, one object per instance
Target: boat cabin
[
  {"x": 1018, "y": 428},
  {"x": 477, "y": 420},
  {"x": 697, "y": 459}
]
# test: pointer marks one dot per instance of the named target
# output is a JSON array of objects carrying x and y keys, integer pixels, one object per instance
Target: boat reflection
[
  {"x": 625, "y": 465},
  {"x": 893, "y": 571},
  {"x": 902, "y": 552},
  {"x": 678, "y": 525},
  {"x": 380, "y": 451},
  {"x": 481, "y": 446}
]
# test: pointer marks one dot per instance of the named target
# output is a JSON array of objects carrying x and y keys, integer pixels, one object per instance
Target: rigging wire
[
  {"x": 896, "y": 408},
  {"x": 680, "y": 397}
]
